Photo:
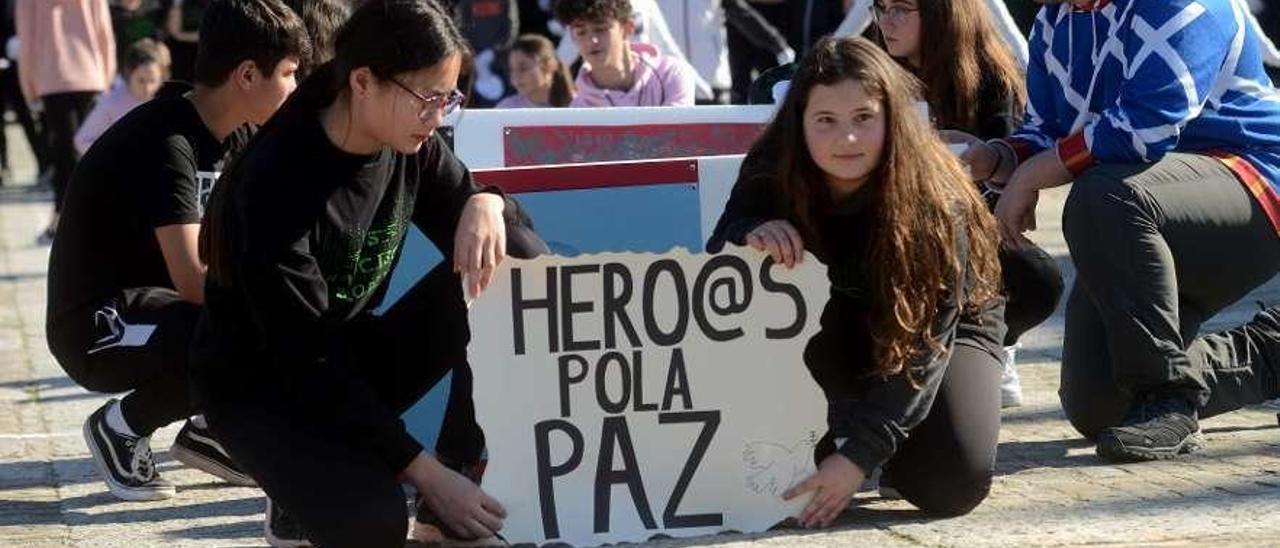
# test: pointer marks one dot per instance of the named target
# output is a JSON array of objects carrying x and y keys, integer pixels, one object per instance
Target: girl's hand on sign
[
  {"x": 780, "y": 240},
  {"x": 456, "y": 500},
  {"x": 833, "y": 486},
  {"x": 480, "y": 243}
]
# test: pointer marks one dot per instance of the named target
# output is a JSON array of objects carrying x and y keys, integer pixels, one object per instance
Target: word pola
[{"x": 628, "y": 395}]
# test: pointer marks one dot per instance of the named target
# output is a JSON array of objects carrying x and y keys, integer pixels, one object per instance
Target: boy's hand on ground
[
  {"x": 833, "y": 486},
  {"x": 480, "y": 243},
  {"x": 780, "y": 240},
  {"x": 456, "y": 500}
]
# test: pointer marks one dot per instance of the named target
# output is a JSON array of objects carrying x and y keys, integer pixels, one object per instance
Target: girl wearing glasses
[
  {"x": 302, "y": 382},
  {"x": 907, "y": 353},
  {"x": 973, "y": 84}
]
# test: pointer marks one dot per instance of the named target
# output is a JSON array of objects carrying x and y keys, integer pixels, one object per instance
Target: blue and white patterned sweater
[{"x": 1128, "y": 81}]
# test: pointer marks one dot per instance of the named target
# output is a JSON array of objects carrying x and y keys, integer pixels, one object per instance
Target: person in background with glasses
[
  {"x": 974, "y": 84},
  {"x": 298, "y": 377}
]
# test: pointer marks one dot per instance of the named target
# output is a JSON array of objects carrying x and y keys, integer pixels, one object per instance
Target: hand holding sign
[
  {"x": 834, "y": 484},
  {"x": 456, "y": 500},
  {"x": 780, "y": 240},
  {"x": 480, "y": 242}
]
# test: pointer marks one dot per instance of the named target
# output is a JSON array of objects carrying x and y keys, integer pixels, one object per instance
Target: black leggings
[
  {"x": 63, "y": 114},
  {"x": 945, "y": 466},
  {"x": 343, "y": 494},
  {"x": 11, "y": 99},
  {"x": 137, "y": 341}
]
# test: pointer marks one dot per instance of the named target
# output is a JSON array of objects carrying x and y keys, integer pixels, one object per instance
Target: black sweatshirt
[
  {"x": 874, "y": 414},
  {"x": 314, "y": 232}
]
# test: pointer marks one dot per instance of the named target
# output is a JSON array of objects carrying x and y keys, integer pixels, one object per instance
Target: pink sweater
[
  {"x": 660, "y": 81},
  {"x": 517, "y": 101},
  {"x": 65, "y": 45},
  {"x": 111, "y": 106}
]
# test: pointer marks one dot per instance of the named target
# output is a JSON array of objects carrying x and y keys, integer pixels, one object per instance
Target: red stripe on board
[
  {"x": 517, "y": 180},
  {"x": 1256, "y": 183},
  {"x": 570, "y": 144}
]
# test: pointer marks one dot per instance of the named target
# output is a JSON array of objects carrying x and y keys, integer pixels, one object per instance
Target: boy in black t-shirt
[{"x": 125, "y": 280}]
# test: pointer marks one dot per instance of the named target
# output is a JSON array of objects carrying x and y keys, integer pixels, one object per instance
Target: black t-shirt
[
  {"x": 315, "y": 232},
  {"x": 154, "y": 167}
]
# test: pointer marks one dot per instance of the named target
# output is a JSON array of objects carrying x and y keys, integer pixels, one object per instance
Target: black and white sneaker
[
  {"x": 125, "y": 462},
  {"x": 195, "y": 447},
  {"x": 282, "y": 530}
]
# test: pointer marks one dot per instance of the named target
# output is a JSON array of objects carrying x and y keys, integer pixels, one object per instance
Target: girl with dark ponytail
[{"x": 302, "y": 382}]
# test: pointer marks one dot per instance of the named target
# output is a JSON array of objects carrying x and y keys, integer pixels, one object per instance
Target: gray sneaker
[{"x": 1156, "y": 428}]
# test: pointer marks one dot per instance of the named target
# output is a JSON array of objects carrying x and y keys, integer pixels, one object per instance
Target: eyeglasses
[
  {"x": 446, "y": 103},
  {"x": 892, "y": 12}
]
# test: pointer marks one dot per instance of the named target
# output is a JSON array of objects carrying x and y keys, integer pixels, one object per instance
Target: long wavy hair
[
  {"x": 964, "y": 55},
  {"x": 920, "y": 195}
]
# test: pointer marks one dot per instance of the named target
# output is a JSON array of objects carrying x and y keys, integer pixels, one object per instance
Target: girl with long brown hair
[
  {"x": 909, "y": 346},
  {"x": 974, "y": 84}
]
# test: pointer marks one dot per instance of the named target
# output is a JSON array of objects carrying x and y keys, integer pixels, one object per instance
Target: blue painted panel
[
  {"x": 651, "y": 218},
  {"x": 637, "y": 218},
  {"x": 417, "y": 258}
]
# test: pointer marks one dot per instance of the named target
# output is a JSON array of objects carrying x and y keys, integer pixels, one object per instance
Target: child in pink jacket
[
  {"x": 146, "y": 66},
  {"x": 617, "y": 72}
]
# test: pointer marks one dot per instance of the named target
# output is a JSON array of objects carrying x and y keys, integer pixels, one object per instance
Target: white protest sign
[{"x": 627, "y": 395}]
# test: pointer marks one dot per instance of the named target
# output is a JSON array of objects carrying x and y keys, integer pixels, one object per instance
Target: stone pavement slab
[{"x": 1050, "y": 489}]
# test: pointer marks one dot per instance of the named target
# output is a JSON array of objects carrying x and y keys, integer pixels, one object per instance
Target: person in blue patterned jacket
[{"x": 1161, "y": 115}]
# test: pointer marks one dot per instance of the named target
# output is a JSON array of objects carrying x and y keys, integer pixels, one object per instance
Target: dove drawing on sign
[{"x": 773, "y": 467}]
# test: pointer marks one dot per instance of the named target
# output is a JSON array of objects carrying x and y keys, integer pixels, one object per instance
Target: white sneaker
[{"x": 1010, "y": 385}]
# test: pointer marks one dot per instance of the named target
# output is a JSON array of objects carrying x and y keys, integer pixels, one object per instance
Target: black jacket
[
  {"x": 314, "y": 232},
  {"x": 875, "y": 414}
]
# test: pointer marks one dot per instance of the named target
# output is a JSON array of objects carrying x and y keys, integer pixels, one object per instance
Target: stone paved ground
[{"x": 1050, "y": 489}]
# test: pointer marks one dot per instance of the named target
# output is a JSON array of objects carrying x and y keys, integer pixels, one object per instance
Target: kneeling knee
[
  {"x": 1087, "y": 421},
  {"x": 1090, "y": 410},
  {"x": 952, "y": 497}
]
